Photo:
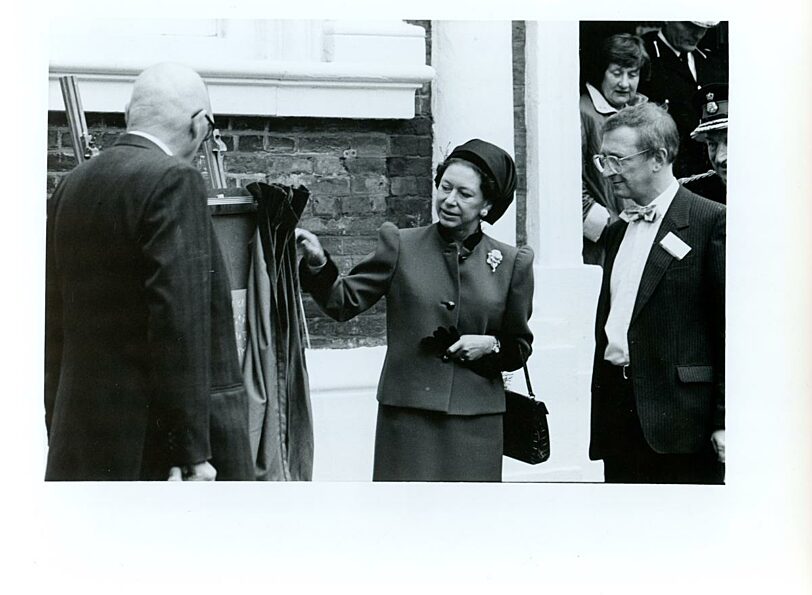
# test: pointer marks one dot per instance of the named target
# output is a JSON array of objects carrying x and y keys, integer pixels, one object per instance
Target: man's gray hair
[{"x": 655, "y": 126}]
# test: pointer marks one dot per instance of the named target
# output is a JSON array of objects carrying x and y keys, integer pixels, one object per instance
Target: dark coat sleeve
[
  {"x": 343, "y": 298},
  {"x": 515, "y": 335},
  {"x": 176, "y": 249},
  {"x": 53, "y": 317},
  {"x": 716, "y": 267}
]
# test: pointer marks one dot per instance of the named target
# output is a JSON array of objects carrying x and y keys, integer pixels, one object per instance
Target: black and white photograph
[
  {"x": 391, "y": 219},
  {"x": 459, "y": 291}
]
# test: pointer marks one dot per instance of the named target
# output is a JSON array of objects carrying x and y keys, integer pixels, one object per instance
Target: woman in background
[
  {"x": 457, "y": 309},
  {"x": 611, "y": 85}
]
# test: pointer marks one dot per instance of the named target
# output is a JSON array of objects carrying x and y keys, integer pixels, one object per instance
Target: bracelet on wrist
[{"x": 497, "y": 346}]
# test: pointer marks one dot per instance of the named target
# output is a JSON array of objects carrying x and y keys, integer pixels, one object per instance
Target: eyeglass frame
[
  {"x": 209, "y": 120},
  {"x": 614, "y": 170}
]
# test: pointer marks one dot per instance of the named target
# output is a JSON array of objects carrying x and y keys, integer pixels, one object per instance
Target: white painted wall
[
  {"x": 343, "y": 384},
  {"x": 566, "y": 290},
  {"x": 472, "y": 97}
]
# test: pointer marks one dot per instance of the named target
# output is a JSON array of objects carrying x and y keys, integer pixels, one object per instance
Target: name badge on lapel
[{"x": 675, "y": 246}]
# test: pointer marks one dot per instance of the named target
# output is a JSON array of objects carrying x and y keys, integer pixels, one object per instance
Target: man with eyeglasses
[
  {"x": 658, "y": 407},
  {"x": 131, "y": 263}
]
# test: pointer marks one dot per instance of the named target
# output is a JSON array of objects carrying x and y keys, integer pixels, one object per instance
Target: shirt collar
[
  {"x": 604, "y": 107},
  {"x": 161, "y": 144},
  {"x": 599, "y": 101},
  {"x": 665, "y": 198},
  {"x": 670, "y": 47},
  {"x": 676, "y": 51},
  {"x": 468, "y": 243},
  {"x": 663, "y": 201}
]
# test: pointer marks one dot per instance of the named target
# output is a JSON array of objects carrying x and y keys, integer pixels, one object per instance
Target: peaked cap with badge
[{"x": 711, "y": 104}]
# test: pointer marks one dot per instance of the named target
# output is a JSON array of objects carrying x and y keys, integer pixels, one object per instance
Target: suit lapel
[
  {"x": 676, "y": 218},
  {"x": 448, "y": 249},
  {"x": 673, "y": 63}
]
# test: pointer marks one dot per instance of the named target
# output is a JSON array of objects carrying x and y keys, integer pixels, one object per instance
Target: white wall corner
[{"x": 473, "y": 97}]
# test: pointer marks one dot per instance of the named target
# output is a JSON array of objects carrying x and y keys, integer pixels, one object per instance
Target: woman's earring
[{"x": 483, "y": 213}]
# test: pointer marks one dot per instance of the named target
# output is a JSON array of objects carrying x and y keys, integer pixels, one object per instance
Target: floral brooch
[{"x": 494, "y": 259}]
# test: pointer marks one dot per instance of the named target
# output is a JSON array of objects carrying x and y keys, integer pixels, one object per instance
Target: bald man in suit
[{"x": 131, "y": 263}]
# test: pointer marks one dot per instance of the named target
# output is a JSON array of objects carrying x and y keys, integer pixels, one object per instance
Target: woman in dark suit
[{"x": 458, "y": 304}]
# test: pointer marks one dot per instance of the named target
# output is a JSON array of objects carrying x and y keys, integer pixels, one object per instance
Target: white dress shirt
[
  {"x": 626, "y": 274},
  {"x": 151, "y": 137}
]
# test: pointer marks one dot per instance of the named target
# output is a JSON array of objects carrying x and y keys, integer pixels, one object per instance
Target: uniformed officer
[
  {"x": 680, "y": 64},
  {"x": 711, "y": 103}
]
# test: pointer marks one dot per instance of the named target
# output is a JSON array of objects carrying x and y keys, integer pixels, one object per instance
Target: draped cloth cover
[{"x": 274, "y": 367}]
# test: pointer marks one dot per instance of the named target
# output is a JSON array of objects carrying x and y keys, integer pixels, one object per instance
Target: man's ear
[
  {"x": 126, "y": 114},
  {"x": 660, "y": 157},
  {"x": 196, "y": 132}
]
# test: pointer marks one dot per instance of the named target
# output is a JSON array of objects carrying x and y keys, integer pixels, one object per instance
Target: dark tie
[{"x": 683, "y": 58}]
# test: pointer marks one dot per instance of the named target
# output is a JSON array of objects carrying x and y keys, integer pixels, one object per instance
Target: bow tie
[{"x": 647, "y": 214}]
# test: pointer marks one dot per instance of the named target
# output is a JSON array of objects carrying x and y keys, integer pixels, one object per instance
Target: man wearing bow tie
[{"x": 658, "y": 403}]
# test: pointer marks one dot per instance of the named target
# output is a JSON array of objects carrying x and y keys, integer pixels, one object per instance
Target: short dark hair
[
  {"x": 655, "y": 126},
  {"x": 625, "y": 50},
  {"x": 490, "y": 191}
]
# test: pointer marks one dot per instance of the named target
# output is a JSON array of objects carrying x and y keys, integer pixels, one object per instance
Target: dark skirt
[{"x": 419, "y": 445}]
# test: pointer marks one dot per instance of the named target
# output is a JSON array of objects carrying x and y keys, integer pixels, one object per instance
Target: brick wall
[{"x": 361, "y": 173}]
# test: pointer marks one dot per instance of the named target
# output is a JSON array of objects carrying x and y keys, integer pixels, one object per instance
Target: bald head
[{"x": 164, "y": 98}]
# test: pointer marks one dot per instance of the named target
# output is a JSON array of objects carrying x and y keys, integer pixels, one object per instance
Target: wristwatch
[{"x": 496, "y": 345}]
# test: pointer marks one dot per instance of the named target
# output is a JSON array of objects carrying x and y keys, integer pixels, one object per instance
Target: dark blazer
[
  {"x": 128, "y": 317},
  {"x": 670, "y": 81},
  {"x": 676, "y": 335},
  {"x": 428, "y": 282}
]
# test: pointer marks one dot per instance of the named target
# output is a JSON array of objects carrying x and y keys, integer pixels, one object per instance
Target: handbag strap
[
  {"x": 526, "y": 374},
  {"x": 527, "y": 380}
]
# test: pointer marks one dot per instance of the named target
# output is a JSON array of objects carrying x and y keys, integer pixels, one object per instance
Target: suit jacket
[
  {"x": 670, "y": 81},
  {"x": 128, "y": 317},
  {"x": 676, "y": 335},
  {"x": 428, "y": 282}
]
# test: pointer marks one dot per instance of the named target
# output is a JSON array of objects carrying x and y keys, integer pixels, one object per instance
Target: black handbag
[{"x": 524, "y": 425}]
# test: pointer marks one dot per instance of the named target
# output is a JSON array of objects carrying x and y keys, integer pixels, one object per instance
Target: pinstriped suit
[
  {"x": 141, "y": 370},
  {"x": 676, "y": 335}
]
